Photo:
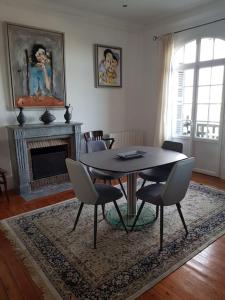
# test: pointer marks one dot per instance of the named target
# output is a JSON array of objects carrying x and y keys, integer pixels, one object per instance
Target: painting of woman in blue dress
[{"x": 40, "y": 72}]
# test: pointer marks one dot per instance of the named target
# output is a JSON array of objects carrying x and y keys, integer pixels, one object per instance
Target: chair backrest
[
  {"x": 93, "y": 135},
  {"x": 81, "y": 182},
  {"x": 178, "y": 181},
  {"x": 173, "y": 146},
  {"x": 95, "y": 146}
]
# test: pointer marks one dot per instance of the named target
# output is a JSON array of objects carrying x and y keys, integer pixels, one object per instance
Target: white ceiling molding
[{"x": 138, "y": 13}]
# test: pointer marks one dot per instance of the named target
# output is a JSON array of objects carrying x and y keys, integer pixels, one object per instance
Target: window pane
[
  {"x": 214, "y": 113},
  {"x": 188, "y": 77},
  {"x": 179, "y": 56},
  {"x": 216, "y": 94},
  {"x": 186, "y": 128},
  {"x": 188, "y": 91},
  {"x": 190, "y": 52},
  {"x": 186, "y": 112},
  {"x": 219, "y": 49},
  {"x": 201, "y": 130},
  {"x": 203, "y": 94},
  {"x": 202, "y": 112},
  {"x": 217, "y": 75},
  {"x": 213, "y": 131},
  {"x": 204, "y": 76},
  {"x": 206, "y": 50}
]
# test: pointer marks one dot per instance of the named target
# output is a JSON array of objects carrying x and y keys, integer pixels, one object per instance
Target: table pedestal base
[{"x": 147, "y": 216}]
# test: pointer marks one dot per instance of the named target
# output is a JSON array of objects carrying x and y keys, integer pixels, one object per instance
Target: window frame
[{"x": 196, "y": 66}]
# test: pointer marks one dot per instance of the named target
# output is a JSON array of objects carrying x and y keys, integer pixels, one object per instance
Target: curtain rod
[{"x": 156, "y": 37}]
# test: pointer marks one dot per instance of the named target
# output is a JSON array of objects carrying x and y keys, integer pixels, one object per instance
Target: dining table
[{"x": 130, "y": 160}]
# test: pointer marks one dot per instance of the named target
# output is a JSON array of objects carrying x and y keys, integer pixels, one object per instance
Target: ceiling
[{"x": 138, "y": 11}]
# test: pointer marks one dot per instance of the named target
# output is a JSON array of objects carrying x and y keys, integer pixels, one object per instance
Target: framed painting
[
  {"x": 36, "y": 61},
  {"x": 108, "y": 66}
]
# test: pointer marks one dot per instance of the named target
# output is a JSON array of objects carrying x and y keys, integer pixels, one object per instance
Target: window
[{"x": 198, "y": 81}]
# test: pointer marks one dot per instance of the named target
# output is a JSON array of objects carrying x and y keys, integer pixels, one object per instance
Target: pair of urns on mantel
[{"x": 46, "y": 117}]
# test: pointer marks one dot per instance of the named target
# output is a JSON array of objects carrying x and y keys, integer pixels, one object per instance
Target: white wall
[{"x": 97, "y": 108}]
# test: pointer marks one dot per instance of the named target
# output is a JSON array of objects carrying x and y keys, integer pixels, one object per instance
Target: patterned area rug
[{"x": 123, "y": 266}]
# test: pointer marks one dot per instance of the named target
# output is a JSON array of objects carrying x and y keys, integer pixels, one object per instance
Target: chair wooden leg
[
  {"x": 137, "y": 216},
  {"x": 161, "y": 227},
  {"x": 95, "y": 224},
  {"x": 143, "y": 183},
  {"x": 182, "y": 217},
  {"x": 5, "y": 187},
  {"x": 78, "y": 216},
  {"x": 121, "y": 218},
  {"x": 103, "y": 210},
  {"x": 121, "y": 185},
  {"x": 157, "y": 212}
]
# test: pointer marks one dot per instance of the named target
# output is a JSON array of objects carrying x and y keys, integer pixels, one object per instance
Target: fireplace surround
[{"x": 37, "y": 154}]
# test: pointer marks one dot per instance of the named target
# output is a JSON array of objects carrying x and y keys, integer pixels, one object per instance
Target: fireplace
[
  {"x": 48, "y": 161},
  {"x": 38, "y": 155}
]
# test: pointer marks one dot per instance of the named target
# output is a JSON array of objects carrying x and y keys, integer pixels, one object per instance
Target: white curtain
[{"x": 166, "y": 45}]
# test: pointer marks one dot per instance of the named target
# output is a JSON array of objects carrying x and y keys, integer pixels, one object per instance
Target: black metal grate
[{"x": 49, "y": 161}]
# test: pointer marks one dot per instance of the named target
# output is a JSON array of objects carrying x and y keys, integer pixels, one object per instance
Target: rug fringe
[{"x": 47, "y": 290}]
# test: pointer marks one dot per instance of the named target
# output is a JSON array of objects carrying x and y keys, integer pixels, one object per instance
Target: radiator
[{"x": 130, "y": 137}]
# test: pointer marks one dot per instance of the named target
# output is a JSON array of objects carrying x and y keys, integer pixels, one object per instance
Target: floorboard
[{"x": 201, "y": 278}]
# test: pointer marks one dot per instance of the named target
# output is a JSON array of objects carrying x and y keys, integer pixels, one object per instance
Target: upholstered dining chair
[
  {"x": 94, "y": 146},
  {"x": 170, "y": 193},
  {"x": 160, "y": 174},
  {"x": 96, "y": 135},
  {"x": 92, "y": 194}
]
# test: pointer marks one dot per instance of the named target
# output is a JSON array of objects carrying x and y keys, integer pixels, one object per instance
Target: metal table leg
[
  {"x": 131, "y": 194},
  {"x": 129, "y": 208}
]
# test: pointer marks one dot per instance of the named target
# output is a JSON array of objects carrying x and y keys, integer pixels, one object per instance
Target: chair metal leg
[
  {"x": 182, "y": 217},
  {"x": 121, "y": 218},
  {"x": 95, "y": 224},
  {"x": 137, "y": 216},
  {"x": 157, "y": 212},
  {"x": 161, "y": 227},
  {"x": 103, "y": 210},
  {"x": 78, "y": 216},
  {"x": 143, "y": 183},
  {"x": 121, "y": 185}
]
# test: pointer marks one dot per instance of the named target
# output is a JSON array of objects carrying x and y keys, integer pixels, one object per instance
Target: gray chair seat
[
  {"x": 88, "y": 193},
  {"x": 158, "y": 174},
  {"x": 105, "y": 175},
  {"x": 107, "y": 193},
  {"x": 161, "y": 173},
  {"x": 170, "y": 193},
  {"x": 100, "y": 145},
  {"x": 151, "y": 193}
]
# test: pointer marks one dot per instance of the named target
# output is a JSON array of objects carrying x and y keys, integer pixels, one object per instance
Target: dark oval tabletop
[{"x": 108, "y": 160}]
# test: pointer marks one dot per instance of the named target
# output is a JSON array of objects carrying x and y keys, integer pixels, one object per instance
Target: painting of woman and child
[
  {"x": 37, "y": 66},
  {"x": 108, "y": 66}
]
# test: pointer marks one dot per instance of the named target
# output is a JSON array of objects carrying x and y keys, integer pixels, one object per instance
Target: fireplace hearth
[{"x": 38, "y": 155}]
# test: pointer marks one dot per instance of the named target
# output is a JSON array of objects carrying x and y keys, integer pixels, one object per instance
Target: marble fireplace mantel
[{"x": 19, "y": 137}]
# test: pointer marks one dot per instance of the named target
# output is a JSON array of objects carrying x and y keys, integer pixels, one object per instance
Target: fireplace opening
[{"x": 48, "y": 161}]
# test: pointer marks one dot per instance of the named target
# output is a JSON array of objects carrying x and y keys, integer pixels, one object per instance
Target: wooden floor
[{"x": 203, "y": 277}]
